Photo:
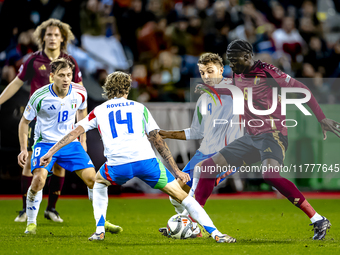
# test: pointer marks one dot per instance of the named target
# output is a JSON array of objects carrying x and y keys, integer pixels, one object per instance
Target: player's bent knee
[
  {"x": 175, "y": 191},
  {"x": 88, "y": 175},
  {"x": 39, "y": 179}
]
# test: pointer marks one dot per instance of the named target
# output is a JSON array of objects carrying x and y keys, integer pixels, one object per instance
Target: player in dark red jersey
[
  {"x": 268, "y": 141},
  {"x": 52, "y": 37}
]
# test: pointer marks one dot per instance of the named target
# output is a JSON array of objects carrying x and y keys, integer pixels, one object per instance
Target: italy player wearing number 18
[
  {"x": 52, "y": 37},
  {"x": 55, "y": 106}
]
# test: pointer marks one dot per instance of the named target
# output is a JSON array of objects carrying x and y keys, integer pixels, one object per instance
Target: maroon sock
[
  {"x": 285, "y": 187},
  {"x": 25, "y": 184},
  {"x": 206, "y": 182},
  {"x": 56, "y": 184}
]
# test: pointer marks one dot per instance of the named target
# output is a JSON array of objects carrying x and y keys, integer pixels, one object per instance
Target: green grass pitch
[{"x": 260, "y": 226}]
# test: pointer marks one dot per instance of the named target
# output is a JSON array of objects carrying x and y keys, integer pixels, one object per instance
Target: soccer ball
[{"x": 179, "y": 227}]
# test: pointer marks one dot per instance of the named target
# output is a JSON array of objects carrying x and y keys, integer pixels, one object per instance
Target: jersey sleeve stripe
[
  {"x": 78, "y": 87},
  {"x": 40, "y": 93},
  {"x": 82, "y": 97},
  {"x": 92, "y": 115}
]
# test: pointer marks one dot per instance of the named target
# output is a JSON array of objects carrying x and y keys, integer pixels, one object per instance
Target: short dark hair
[
  {"x": 60, "y": 63},
  {"x": 209, "y": 57},
  {"x": 240, "y": 45}
]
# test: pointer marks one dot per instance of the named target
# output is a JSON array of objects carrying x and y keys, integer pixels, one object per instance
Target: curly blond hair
[
  {"x": 209, "y": 57},
  {"x": 64, "y": 28},
  {"x": 117, "y": 84}
]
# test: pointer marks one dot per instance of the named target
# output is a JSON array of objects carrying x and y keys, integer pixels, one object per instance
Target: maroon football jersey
[
  {"x": 36, "y": 70},
  {"x": 262, "y": 77}
]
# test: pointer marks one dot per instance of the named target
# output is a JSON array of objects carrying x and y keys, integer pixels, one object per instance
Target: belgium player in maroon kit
[
  {"x": 266, "y": 138},
  {"x": 52, "y": 37}
]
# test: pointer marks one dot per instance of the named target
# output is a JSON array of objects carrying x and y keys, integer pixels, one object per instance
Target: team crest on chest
[
  {"x": 256, "y": 80},
  {"x": 73, "y": 103}
]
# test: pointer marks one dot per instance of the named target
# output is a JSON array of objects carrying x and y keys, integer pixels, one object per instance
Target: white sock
[
  {"x": 195, "y": 179},
  {"x": 100, "y": 202},
  {"x": 179, "y": 208},
  {"x": 90, "y": 193},
  {"x": 200, "y": 215},
  {"x": 316, "y": 217},
  {"x": 33, "y": 201},
  {"x": 185, "y": 213},
  {"x": 194, "y": 186}
]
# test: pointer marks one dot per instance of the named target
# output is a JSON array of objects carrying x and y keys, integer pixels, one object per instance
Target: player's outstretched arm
[
  {"x": 46, "y": 159},
  {"x": 10, "y": 90},
  {"x": 23, "y": 134},
  {"x": 326, "y": 124},
  {"x": 164, "y": 151},
  {"x": 179, "y": 135},
  {"x": 81, "y": 114}
]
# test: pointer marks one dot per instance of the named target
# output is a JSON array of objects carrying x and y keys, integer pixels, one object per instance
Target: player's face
[
  {"x": 62, "y": 79},
  {"x": 53, "y": 38},
  {"x": 211, "y": 73},
  {"x": 239, "y": 61}
]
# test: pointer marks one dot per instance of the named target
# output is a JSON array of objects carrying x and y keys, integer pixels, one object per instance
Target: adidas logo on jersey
[
  {"x": 43, "y": 67},
  {"x": 52, "y": 107},
  {"x": 267, "y": 150}
]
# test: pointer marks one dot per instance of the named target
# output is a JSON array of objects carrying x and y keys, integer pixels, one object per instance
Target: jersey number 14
[{"x": 118, "y": 120}]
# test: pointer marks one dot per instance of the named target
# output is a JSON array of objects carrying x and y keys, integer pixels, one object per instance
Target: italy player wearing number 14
[{"x": 55, "y": 107}]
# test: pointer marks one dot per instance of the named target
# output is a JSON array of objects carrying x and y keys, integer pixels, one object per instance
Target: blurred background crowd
[{"x": 159, "y": 41}]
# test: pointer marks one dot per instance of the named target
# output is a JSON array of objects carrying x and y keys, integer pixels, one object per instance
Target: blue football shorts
[
  {"x": 72, "y": 157},
  {"x": 198, "y": 157},
  {"x": 151, "y": 171}
]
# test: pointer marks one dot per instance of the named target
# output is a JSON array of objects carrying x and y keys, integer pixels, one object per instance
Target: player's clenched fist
[
  {"x": 183, "y": 176},
  {"x": 45, "y": 160}
]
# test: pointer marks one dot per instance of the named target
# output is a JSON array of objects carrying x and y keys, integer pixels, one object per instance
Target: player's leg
[
  {"x": 272, "y": 160},
  {"x": 34, "y": 194},
  {"x": 88, "y": 175},
  {"x": 226, "y": 161},
  {"x": 196, "y": 211},
  {"x": 292, "y": 193},
  {"x": 153, "y": 172},
  {"x": 104, "y": 178},
  {"x": 34, "y": 197},
  {"x": 26, "y": 177},
  {"x": 74, "y": 158},
  {"x": 189, "y": 169},
  {"x": 56, "y": 183}
]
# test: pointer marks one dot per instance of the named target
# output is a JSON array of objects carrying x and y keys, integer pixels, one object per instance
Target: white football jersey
[
  {"x": 212, "y": 122},
  {"x": 55, "y": 115},
  {"x": 122, "y": 124}
]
